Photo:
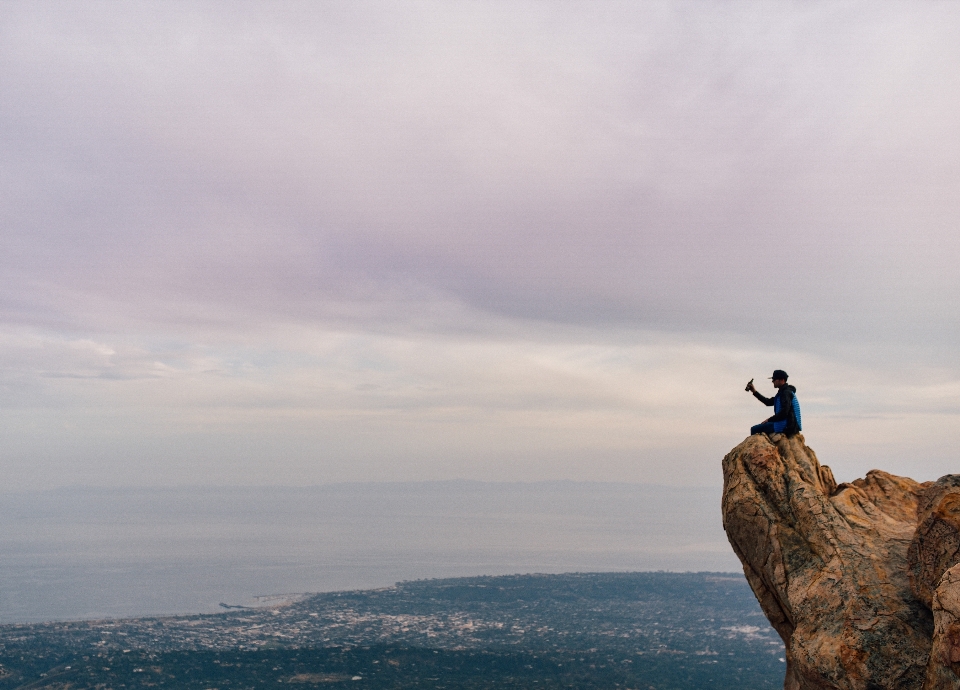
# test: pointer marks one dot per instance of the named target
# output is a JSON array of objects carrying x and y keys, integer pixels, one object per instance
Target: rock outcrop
[
  {"x": 943, "y": 671},
  {"x": 861, "y": 580},
  {"x": 934, "y": 572},
  {"x": 935, "y": 547}
]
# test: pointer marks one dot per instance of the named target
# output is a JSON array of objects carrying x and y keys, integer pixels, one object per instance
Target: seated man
[{"x": 786, "y": 408}]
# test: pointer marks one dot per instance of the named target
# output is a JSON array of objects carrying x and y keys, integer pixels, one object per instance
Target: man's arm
[{"x": 766, "y": 401}]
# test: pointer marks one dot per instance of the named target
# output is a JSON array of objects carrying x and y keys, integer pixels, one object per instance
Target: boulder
[
  {"x": 828, "y": 565},
  {"x": 935, "y": 547},
  {"x": 943, "y": 671}
]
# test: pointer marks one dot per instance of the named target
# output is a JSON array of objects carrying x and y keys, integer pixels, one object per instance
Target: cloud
[
  {"x": 209, "y": 208},
  {"x": 307, "y": 406}
]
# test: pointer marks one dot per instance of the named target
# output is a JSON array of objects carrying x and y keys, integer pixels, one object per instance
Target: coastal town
[{"x": 612, "y": 625}]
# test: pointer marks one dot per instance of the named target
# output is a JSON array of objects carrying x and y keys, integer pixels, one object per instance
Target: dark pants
[{"x": 763, "y": 428}]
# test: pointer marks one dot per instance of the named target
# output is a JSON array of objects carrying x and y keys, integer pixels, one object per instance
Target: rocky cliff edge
[{"x": 861, "y": 580}]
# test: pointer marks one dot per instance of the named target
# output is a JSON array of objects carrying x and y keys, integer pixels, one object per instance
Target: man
[{"x": 786, "y": 408}]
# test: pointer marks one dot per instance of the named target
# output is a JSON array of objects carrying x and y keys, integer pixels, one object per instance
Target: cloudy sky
[{"x": 299, "y": 243}]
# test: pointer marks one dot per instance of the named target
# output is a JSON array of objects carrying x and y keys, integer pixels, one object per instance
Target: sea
[{"x": 89, "y": 553}]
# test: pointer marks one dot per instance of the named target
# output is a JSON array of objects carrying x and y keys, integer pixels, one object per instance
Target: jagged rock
[
  {"x": 932, "y": 562},
  {"x": 935, "y": 547},
  {"x": 943, "y": 672},
  {"x": 828, "y": 564}
]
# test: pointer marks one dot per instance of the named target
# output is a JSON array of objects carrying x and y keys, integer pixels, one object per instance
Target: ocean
[{"x": 84, "y": 552}]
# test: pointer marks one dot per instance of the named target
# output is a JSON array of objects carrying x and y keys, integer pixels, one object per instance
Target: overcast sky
[{"x": 299, "y": 243}]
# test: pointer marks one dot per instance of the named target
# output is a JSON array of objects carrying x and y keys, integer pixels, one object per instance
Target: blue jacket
[{"x": 786, "y": 409}]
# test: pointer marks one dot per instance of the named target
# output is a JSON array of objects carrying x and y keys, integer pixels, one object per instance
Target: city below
[{"x": 632, "y": 630}]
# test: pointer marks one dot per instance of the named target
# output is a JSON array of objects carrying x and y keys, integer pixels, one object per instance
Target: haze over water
[{"x": 88, "y": 553}]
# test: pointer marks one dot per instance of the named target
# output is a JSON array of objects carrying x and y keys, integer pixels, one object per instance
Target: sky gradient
[{"x": 300, "y": 243}]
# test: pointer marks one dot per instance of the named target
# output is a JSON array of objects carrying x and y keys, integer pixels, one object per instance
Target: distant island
[{"x": 583, "y": 630}]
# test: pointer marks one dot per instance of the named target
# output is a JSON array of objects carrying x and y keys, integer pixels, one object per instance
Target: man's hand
[{"x": 750, "y": 388}]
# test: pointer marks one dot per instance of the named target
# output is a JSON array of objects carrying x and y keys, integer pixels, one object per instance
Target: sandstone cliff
[{"x": 858, "y": 579}]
